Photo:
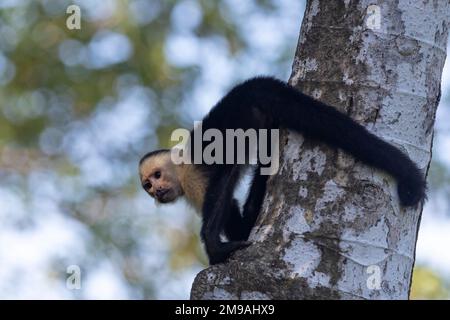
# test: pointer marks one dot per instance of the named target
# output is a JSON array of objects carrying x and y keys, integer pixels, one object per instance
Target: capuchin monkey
[{"x": 265, "y": 103}]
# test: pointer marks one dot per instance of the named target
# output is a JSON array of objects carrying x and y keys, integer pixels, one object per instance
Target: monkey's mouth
[{"x": 164, "y": 196}]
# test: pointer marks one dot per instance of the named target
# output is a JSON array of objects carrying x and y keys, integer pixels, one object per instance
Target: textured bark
[{"x": 331, "y": 227}]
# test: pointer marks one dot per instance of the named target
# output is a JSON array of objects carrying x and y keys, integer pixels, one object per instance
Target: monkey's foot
[{"x": 222, "y": 251}]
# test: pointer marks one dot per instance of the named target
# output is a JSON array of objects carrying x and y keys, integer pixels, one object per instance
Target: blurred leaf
[{"x": 427, "y": 284}]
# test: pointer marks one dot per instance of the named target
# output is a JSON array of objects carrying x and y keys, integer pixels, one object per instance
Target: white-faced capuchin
[{"x": 265, "y": 103}]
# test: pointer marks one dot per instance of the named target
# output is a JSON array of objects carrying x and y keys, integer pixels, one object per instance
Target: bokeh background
[{"x": 79, "y": 107}]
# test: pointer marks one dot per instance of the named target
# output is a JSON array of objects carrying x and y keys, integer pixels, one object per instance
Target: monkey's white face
[{"x": 159, "y": 178}]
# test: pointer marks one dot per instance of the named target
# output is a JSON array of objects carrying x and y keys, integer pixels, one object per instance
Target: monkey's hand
[{"x": 219, "y": 251}]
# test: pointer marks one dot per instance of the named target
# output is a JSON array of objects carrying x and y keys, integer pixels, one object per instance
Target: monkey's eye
[
  {"x": 157, "y": 174},
  {"x": 147, "y": 186}
]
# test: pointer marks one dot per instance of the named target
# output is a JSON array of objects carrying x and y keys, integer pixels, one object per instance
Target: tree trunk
[{"x": 330, "y": 227}]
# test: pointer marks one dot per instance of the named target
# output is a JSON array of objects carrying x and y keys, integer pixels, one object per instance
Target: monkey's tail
[{"x": 296, "y": 111}]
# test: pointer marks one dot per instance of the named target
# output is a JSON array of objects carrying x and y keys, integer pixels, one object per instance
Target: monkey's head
[{"x": 159, "y": 177}]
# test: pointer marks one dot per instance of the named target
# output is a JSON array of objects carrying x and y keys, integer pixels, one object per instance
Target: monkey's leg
[
  {"x": 235, "y": 229},
  {"x": 238, "y": 227},
  {"x": 254, "y": 201},
  {"x": 216, "y": 207}
]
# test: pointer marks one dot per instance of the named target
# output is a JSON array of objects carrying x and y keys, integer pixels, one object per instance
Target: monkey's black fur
[{"x": 266, "y": 103}]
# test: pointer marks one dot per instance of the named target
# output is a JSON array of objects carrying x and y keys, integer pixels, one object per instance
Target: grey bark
[{"x": 332, "y": 228}]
